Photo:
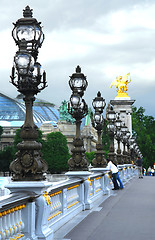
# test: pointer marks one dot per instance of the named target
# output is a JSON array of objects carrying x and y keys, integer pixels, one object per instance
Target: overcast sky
[{"x": 106, "y": 38}]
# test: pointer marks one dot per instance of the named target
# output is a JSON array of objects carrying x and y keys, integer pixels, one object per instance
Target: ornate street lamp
[
  {"x": 134, "y": 151},
  {"x": 111, "y": 117},
  {"x": 28, "y": 28},
  {"x": 131, "y": 146},
  {"x": 29, "y": 80},
  {"x": 98, "y": 104},
  {"x": 118, "y": 136},
  {"x": 124, "y": 140},
  {"x": 78, "y": 110},
  {"x": 128, "y": 147}
]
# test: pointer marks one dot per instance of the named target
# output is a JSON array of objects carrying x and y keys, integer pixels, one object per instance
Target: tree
[
  {"x": 144, "y": 132},
  {"x": 8, "y": 154},
  {"x": 55, "y": 152},
  {"x": 90, "y": 156},
  {"x": 6, "y": 157}
]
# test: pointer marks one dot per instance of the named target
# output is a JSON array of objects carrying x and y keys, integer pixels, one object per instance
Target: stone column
[{"x": 123, "y": 106}]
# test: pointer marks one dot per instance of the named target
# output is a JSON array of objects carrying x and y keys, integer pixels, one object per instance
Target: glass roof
[
  {"x": 9, "y": 110},
  {"x": 13, "y": 110}
]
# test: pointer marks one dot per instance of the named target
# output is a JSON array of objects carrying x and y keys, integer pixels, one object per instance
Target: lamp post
[
  {"x": 124, "y": 140},
  {"x": 98, "y": 105},
  {"x": 28, "y": 78},
  {"x": 111, "y": 117},
  {"x": 118, "y": 136},
  {"x": 78, "y": 109},
  {"x": 132, "y": 144},
  {"x": 128, "y": 147}
]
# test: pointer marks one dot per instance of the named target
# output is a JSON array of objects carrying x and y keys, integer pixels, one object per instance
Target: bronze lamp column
[
  {"x": 118, "y": 136},
  {"x": 124, "y": 140},
  {"x": 28, "y": 78},
  {"x": 78, "y": 109},
  {"x": 111, "y": 117},
  {"x": 97, "y": 122}
]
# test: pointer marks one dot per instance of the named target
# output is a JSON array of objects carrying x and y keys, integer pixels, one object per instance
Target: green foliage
[
  {"x": 90, "y": 156},
  {"x": 8, "y": 154},
  {"x": 144, "y": 132},
  {"x": 6, "y": 157},
  {"x": 17, "y": 139},
  {"x": 54, "y": 149},
  {"x": 55, "y": 152}
]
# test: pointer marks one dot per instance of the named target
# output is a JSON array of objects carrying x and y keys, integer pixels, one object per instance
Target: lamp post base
[
  {"x": 28, "y": 165},
  {"x": 99, "y": 161},
  {"x": 112, "y": 157},
  {"x": 119, "y": 158},
  {"x": 78, "y": 161}
]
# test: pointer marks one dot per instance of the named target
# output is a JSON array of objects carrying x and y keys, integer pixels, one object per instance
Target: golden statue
[{"x": 121, "y": 85}]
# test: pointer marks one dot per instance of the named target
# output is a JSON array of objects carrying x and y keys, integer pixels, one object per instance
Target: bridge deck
[{"x": 128, "y": 214}]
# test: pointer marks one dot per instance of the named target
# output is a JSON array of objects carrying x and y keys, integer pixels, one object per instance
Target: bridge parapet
[
  {"x": 36, "y": 210},
  {"x": 11, "y": 211}
]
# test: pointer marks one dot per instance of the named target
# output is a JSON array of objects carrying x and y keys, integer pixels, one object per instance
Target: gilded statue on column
[{"x": 121, "y": 85}]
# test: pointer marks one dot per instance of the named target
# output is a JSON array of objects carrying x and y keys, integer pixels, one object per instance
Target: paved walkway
[{"x": 127, "y": 215}]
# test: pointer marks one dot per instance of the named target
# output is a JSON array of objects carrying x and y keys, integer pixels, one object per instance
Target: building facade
[{"x": 47, "y": 119}]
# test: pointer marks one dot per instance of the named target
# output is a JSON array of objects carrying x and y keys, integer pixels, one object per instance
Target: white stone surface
[
  {"x": 78, "y": 174},
  {"x": 103, "y": 170},
  {"x": 30, "y": 186}
]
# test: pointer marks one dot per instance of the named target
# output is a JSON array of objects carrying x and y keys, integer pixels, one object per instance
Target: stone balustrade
[
  {"x": 37, "y": 210},
  {"x": 11, "y": 219}
]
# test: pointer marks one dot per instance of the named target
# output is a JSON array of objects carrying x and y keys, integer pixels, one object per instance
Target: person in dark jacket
[{"x": 139, "y": 163}]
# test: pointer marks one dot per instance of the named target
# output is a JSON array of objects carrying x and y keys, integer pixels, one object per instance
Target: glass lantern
[
  {"x": 24, "y": 63},
  {"x": 28, "y": 28},
  {"x": 98, "y": 118},
  {"x": 99, "y": 103},
  {"x": 111, "y": 115},
  {"x": 111, "y": 127},
  {"x": 118, "y": 123},
  {"x": 78, "y": 82},
  {"x": 75, "y": 101}
]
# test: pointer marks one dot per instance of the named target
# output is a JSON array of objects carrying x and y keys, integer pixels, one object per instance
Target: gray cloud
[{"x": 101, "y": 47}]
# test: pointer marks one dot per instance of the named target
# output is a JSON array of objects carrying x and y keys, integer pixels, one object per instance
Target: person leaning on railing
[{"x": 115, "y": 176}]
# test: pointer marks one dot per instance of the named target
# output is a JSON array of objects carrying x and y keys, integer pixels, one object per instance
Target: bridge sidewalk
[{"x": 127, "y": 214}]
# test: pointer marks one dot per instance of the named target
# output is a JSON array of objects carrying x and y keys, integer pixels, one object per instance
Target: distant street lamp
[
  {"x": 98, "y": 104},
  {"x": 111, "y": 117},
  {"x": 78, "y": 110},
  {"x": 118, "y": 136},
  {"x": 28, "y": 78},
  {"x": 124, "y": 140},
  {"x": 128, "y": 147},
  {"x": 131, "y": 146}
]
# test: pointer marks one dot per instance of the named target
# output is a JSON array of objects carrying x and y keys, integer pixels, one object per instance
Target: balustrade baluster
[
  {"x": 2, "y": 227},
  {"x": 5, "y": 226},
  {"x": 14, "y": 221},
  {"x": 21, "y": 223},
  {"x": 9, "y": 222}
]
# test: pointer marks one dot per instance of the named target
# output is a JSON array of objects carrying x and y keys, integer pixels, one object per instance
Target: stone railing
[
  {"x": 35, "y": 210},
  {"x": 11, "y": 211}
]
